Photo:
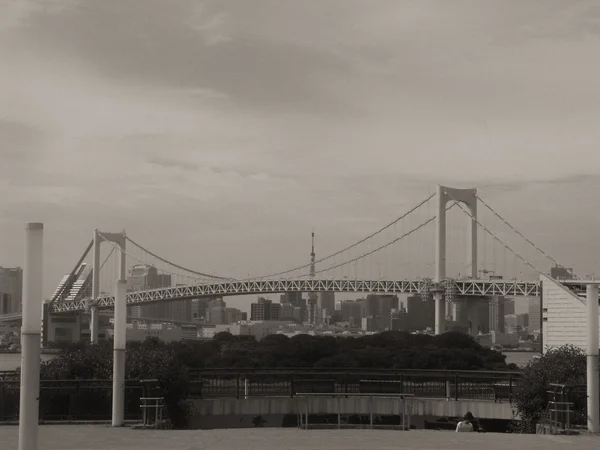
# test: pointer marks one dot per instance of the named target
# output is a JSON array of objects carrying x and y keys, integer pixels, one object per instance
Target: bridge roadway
[{"x": 468, "y": 288}]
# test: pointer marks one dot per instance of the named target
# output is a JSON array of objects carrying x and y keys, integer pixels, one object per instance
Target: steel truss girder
[{"x": 227, "y": 288}]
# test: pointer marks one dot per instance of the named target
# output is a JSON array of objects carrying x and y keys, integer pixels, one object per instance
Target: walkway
[{"x": 97, "y": 437}]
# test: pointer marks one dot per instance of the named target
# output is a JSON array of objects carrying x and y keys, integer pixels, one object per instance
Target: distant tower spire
[{"x": 312, "y": 257}]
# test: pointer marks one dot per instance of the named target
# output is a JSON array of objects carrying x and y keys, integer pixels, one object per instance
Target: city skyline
[{"x": 236, "y": 129}]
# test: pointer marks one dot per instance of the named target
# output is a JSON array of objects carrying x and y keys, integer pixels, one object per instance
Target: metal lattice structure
[{"x": 227, "y": 288}]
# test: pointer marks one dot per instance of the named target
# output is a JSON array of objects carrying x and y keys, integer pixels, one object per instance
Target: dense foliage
[
  {"x": 563, "y": 365},
  {"x": 388, "y": 350}
]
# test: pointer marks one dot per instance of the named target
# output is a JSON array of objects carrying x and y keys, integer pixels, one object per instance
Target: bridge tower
[
  {"x": 469, "y": 198},
  {"x": 121, "y": 241},
  {"x": 312, "y": 302}
]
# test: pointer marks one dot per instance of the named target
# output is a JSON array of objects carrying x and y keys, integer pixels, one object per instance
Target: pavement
[{"x": 96, "y": 437}]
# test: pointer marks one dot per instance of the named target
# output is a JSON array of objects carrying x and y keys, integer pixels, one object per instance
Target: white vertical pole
[
  {"x": 593, "y": 380},
  {"x": 120, "y": 324},
  {"x": 30, "y": 337}
]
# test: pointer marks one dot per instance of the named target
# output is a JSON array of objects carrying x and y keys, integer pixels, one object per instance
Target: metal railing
[
  {"x": 563, "y": 412},
  {"x": 244, "y": 383},
  {"x": 352, "y": 419},
  {"x": 155, "y": 413},
  {"x": 72, "y": 400}
]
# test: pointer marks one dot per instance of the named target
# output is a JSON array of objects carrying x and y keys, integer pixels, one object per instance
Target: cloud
[
  {"x": 16, "y": 13},
  {"x": 243, "y": 125}
]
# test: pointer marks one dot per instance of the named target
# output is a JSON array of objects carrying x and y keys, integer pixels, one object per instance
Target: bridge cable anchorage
[
  {"x": 494, "y": 236},
  {"x": 521, "y": 234},
  {"x": 408, "y": 233},
  {"x": 205, "y": 275},
  {"x": 325, "y": 258}
]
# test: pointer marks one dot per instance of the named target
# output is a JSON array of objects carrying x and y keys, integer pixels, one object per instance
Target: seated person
[{"x": 467, "y": 425}]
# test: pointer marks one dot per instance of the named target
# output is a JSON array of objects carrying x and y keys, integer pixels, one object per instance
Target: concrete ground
[{"x": 95, "y": 437}]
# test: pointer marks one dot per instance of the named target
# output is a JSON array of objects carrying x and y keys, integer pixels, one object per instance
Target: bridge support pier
[
  {"x": 593, "y": 376},
  {"x": 99, "y": 237},
  {"x": 440, "y": 312},
  {"x": 94, "y": 324}
]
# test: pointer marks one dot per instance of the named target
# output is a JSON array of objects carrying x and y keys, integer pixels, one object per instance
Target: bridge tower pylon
[
  {"x": 99, "y": 237},
  {"x": 469, "y": 198}
]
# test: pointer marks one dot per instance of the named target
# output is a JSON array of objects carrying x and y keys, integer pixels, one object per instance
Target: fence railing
[
  {"x": 346, "y": 415},
  {"x": 63, "y": 400},
  {"x": 496, "y": 386}
]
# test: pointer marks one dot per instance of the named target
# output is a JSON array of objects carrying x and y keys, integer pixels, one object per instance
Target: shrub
[{"x": 563, "y": 365}]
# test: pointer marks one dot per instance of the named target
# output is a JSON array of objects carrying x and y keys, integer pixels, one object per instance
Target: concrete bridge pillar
[
  {"x": 440, "y": 310},
  {"x": 469, "y": 198},
  {"x": 99, "y": 237},
  {"x": 94, "y": 324}
]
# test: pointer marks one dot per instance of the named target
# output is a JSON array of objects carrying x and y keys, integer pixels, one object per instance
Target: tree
[{"x": 563, "y": 365}]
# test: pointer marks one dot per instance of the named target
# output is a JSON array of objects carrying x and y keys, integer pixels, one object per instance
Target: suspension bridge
[{"x": 442, "y": 248}]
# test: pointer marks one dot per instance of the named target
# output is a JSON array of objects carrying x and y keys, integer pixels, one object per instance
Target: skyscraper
[
  {"x": 535, "y": 314},
  {"x": 496, "y": 314},
  {"x": 143, "y": 276},
  {"x": 265, "y": 309},
  {"x": 11, "y": 280}
]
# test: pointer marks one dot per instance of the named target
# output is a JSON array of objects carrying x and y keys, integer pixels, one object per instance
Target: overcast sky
[{"x": 219, "y": 133}]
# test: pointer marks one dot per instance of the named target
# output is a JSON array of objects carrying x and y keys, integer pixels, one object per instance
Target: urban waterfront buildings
[{"x": 11, "y": 280}]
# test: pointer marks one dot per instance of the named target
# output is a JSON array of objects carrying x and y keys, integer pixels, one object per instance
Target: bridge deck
[{"x": 477, "y": 288}]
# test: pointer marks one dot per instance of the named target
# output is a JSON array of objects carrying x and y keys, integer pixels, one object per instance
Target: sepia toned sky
[{"x": 219, "y": 133}]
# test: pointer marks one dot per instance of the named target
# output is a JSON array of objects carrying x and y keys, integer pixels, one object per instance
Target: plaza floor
[{"x": 96, "y": 437}]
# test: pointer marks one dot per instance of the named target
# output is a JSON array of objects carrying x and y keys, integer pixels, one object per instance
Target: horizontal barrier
[
  {"x": 496, "y": 386},
  {"x": 349, "y": 416},
  {"x": 92, "y": 399},
  {"x": 64, "y": 400}
]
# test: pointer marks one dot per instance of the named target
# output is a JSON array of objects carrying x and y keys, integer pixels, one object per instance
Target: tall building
[
  {"x": 510, "y": 323},
  {"x": 217, "y": 314},
  {"x": 509, "y": 306},
  {"x": 523, "y": 321},
  {"x": 143, "y": 276},
  {"x": 11, "y": 281},
  {"x": 326, "y": 300},
  {"x": 233, "y": 315},
  {"x": 496, "y": 314},
  {"x": 295, "y": 299},
  {"x": 535, "y": 314},
  {"x": 351, "y": 311},
  {"x": 199, "y": 308},
  {"x": 420, "y": 313},
  {"x": 265, "y": 309},
  {"x": 399, "y": 320},
  {"x": 380, "y": 305}
]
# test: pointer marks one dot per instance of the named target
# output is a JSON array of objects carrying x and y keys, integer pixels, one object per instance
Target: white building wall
[{"x": 563, "y": 316}]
